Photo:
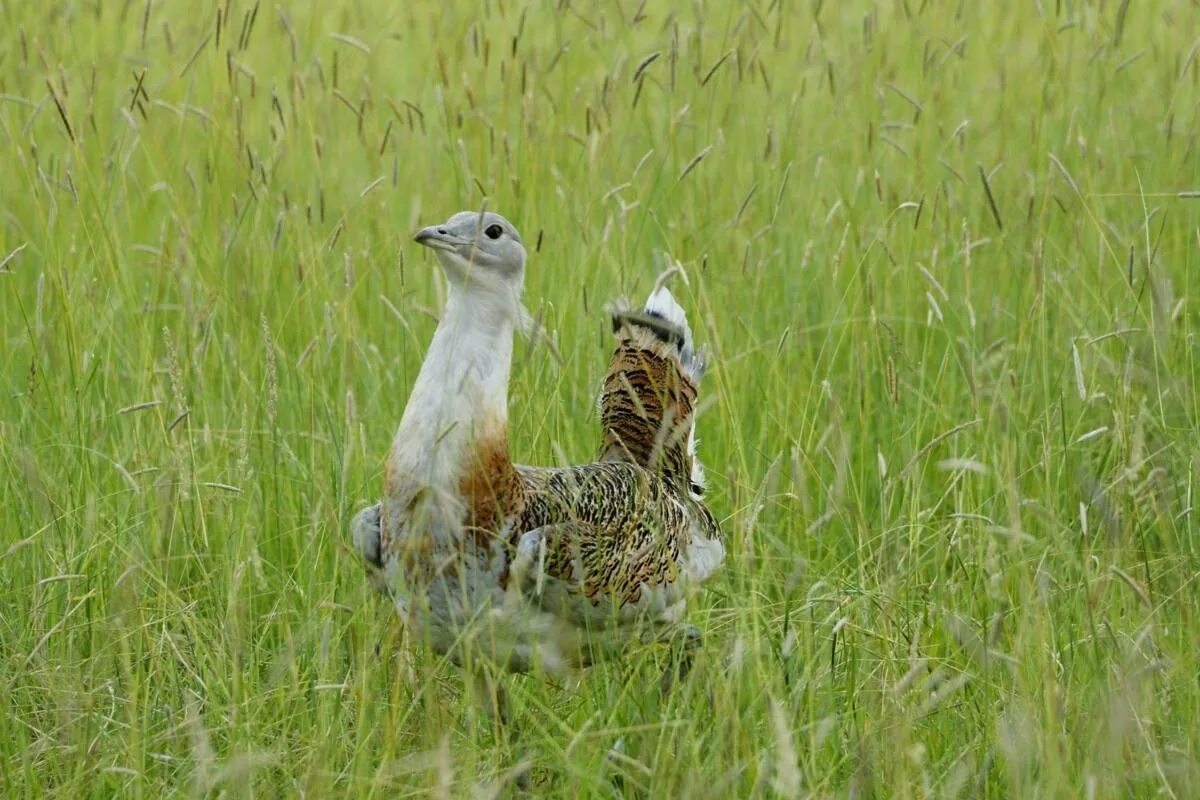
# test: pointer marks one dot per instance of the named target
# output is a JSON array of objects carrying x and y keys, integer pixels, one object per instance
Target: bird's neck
[{"x": 453, "y": 437}]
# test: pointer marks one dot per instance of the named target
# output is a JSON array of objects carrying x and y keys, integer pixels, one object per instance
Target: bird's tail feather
[
  {"x": 665, "y": 319},
  {"x": 648, "y": 403}
]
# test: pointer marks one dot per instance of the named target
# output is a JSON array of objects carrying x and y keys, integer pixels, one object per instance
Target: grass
[{"x": 944, "y": 258}]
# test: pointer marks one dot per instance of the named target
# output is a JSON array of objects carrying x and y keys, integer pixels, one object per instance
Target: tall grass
[{"x": 943, "y": 256}]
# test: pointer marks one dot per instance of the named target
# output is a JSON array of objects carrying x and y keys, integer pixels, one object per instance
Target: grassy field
[{"x": 943, "y": 255}]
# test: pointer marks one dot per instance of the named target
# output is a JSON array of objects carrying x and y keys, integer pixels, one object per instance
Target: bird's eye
[{"x": 494, "y": 231}]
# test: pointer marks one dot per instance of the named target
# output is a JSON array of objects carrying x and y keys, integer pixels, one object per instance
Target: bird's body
[
  {"x": 553, "y": 568},
  {"x": 591, "y": 557}
]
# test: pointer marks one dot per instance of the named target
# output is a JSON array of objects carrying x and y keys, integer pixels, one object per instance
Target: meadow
[{"x": 943, "y": 256}]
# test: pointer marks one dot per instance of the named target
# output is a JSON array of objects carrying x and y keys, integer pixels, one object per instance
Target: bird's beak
[{"x": 436, "y": 237}]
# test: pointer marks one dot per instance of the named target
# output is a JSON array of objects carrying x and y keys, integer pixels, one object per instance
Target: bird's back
[{"x": 619, "y": 538}]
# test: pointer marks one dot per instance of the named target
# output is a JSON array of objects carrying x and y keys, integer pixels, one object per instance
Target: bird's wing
[
  {"x": 648, "y": 400},
  {"x": 603, "y": 539},
  {"x": 573, "y": 570},
  {"x": 365, "y": 532}
]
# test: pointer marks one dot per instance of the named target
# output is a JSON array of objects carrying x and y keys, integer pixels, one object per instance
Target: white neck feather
[{"x": 461, "y": 393}]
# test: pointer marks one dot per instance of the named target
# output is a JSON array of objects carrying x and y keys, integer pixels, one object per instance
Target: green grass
[{"x": 953, "y": 441}]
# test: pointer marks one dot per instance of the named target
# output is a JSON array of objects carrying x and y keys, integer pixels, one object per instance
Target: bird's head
[{"x": 478, "y": 250}]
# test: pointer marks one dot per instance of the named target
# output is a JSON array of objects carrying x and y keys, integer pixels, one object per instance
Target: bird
[{"x": 525, "y": 567}]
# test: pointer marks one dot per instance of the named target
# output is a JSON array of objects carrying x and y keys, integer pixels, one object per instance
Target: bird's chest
[{"x": 449, "y": 487}]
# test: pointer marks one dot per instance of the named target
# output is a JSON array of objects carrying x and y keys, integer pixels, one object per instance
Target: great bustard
[{"x": 527, "y": 567}]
